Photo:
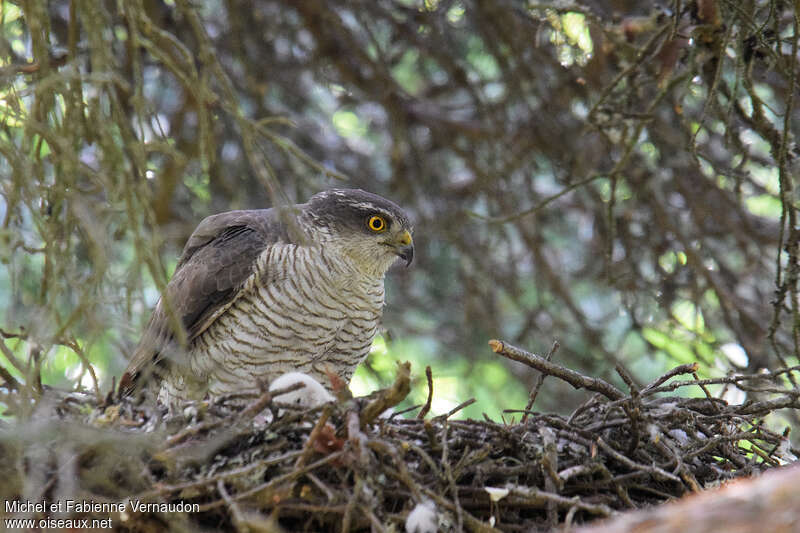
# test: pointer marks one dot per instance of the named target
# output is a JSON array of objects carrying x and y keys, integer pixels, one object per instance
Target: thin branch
[
  {"x": 427, "y": 406},
  {"x": 577, "y": 380},
  {"x": 539, "y": 380}
]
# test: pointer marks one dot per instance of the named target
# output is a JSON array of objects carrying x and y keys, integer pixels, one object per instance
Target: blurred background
[{"x": 615, "y": 175}]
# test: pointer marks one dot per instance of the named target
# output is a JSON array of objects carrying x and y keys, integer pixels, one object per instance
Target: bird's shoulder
[
  {"x": 218, "y": 258},
  {"x": 232, "y": 229}
]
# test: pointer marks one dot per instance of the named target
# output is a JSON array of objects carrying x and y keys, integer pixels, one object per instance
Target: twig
[
  {"x": 627, "y": 378},
  {"x": 549, "y": 463},
  {"x": 10, "y": 355},
  {"x": 9, "y": 379},
  {"x": 75, "y": 347},
  {"x": 539, "y": 380},
  {"x": 427, "y": 406},
  {"x": 396, "y": 414},
  {"x": 347, "y": 517},
  {"x": 388, "y": 397},
  {"x": 448, "y": 472},
  {"x": 677, "y": 371},
  {"x": 538, "y": 207},
  {"x": 455, "y": 409},
  {"x": 541, "y": 498},
  {"x": 706, "y": 392},
  {"x": 308, "y": 448},
  {"x": 236, "y": 513},
  {"x": 473, "y": 524},
  {"x": 577, "y": 380},
  {"x": 654, "y": 470}
]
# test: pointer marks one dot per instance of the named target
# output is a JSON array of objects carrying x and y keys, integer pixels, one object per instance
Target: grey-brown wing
[{"x": 216, "y": 261}]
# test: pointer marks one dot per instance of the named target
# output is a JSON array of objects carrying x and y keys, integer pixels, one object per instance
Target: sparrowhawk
[{"x": 262, "y": 292}]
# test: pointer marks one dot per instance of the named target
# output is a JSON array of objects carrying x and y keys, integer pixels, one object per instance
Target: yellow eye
[{"x": 376, "y": 223}]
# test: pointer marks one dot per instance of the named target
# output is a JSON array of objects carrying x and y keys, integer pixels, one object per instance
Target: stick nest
[{"x": 255, "y": 464}]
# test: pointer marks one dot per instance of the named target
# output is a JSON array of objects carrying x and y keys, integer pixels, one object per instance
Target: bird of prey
[{"x": 259, "y": 293}]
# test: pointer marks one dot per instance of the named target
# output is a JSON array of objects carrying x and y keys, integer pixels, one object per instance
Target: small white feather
[
  {"x": 654, "y": 432},
  {"x": 423, "y": 518},
  {"x": 312, "y": 395},
  {"x": 496, "y": 493},
  {"x": 679, "y": 435}
]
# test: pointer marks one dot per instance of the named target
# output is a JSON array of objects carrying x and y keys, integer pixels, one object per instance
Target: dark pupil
[{"x": 377, "y": 223}]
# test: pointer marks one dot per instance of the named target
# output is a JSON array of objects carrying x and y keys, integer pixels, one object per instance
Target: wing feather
[{"x": 217, "y": 260}]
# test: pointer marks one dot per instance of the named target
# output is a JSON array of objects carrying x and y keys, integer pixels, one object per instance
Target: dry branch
[{"x": 577, "y": 380}]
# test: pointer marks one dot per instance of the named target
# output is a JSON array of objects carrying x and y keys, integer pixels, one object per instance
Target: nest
[{"x": 256, "y": 464}]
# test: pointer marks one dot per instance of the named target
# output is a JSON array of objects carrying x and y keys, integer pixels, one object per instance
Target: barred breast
[{"x": 301, "y": 310}]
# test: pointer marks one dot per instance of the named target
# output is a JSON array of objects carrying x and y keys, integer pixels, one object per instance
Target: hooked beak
[{"x": 404, "y": 247}]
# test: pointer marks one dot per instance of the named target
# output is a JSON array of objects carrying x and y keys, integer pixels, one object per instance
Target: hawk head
[{"x": 371, "y": 231}]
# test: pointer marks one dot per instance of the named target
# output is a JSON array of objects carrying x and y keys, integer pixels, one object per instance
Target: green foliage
[
  {"x": 348, "y": 124},
  {"x": 765, "y": 205},
  {"x": 571, "y": 37}
]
